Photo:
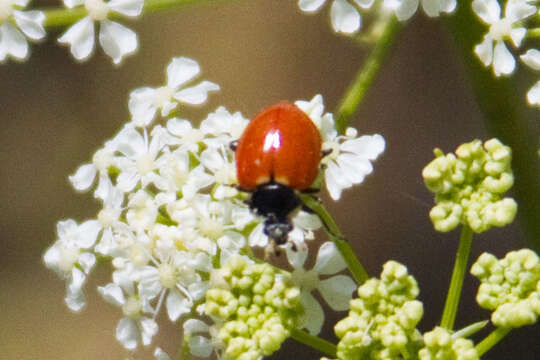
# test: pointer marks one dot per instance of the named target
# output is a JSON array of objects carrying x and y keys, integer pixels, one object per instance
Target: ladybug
[{"x": 277, "y": 156}]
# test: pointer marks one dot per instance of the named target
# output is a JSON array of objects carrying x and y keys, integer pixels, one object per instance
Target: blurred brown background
[{"x": 55, "y": 113}]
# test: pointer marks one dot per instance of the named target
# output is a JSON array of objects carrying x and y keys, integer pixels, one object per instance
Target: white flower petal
[
  {"x": 192, "y": 326},
  {"x": 75, "y": 297},
  {"x": 83, "y": 177},
  {"x": 432, "y": 8},
  {"x": 329, "y": 260},
  {"x": 127, "y": 180},
  {"x": 365, "y": 4},
  {"x": 345, "y": 18},
  {"x": 197, "y": 94},
  {"x": 87, "y": 233},
  {"x": 297, "y": 258},
  {"x": 200, "y": 346},
  {"x": 149, "y": 328},
  {"x": 335, "y": 180},
  {"x": 112, "y": 293},
  {"x": 72, "y": 3},
  {"x": 533, "y": 96},
  {"x": 310, "y": 5},
  {"x": 161, "y": 355},
  {"x": 517, "y": 35},
  {"x": 179, "y": 127},
  {"x": 126, "y": 7},
  {"x": 127, "y": 333},
  {"x": 257, "y": 237},
  {"x": 87, "y": 261},
  {"x": 503, "y": 60},
  {"x": 406, "y": 9},
  {"x": 117, "y": 40},
  {"x": 532, "y": 59},
  {"x": 180, "y": 71},
  {"x": 30, "y": 23},
  {"x": 80, "y": 38},
  {"x": 313, "y": 317},
  {"x": 488, "y": 10},
  {"x": 12, "y": 41},
  {"x": 518, "y": 10},
  {"x": 141, "y": 105},
  {"x": 177, "y": 304},
  {"x": 337, "y": 291},
  {"x": 484, "y": 50},
  {"x": 52, "y": 257}
]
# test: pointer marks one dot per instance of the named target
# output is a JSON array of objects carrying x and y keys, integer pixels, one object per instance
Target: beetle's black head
[{"x": 275, "y": 202}]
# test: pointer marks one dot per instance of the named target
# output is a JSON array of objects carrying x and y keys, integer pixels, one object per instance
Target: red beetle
[{"x": 278, "y": 154}]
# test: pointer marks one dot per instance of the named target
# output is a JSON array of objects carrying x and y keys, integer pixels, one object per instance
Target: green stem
[
  {"x": 460, "y": 267},
  {"x": 315, "y": 342},
  {"x": 533, "y": 33},
  {"x": 357, "y": 270},
  {"x": 504, "y": 108},
  {"x": 491, "y": 340},
  {"x": 56, "y": 17},
  {"x": 365, "y": 76}
]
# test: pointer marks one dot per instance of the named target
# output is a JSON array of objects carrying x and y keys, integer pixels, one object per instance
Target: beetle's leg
[
  {"x": 326, "y": 152},
  {"x": 233, "y": 145}
]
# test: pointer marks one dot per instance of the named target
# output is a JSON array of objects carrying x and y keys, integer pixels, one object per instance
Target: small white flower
[
  {"x": 70, "y": 259},
  {"x": 336, "y": 290},
  {"x": 405, "y": 9},
  {"x": 116, "y": 40},
  {"x": 199, "y": 345},
  {"x": 159, "y": 354},
  {"x": 492, "y": 50},
  {"x": 343, "y": 13},
  {"x": 145, "y": 102},
  {"x": 14, "y": 25},
  {"x": 134, "y": 327},
  {"x": 532, "y": 59},
  {"x": 349, "y": 160}
]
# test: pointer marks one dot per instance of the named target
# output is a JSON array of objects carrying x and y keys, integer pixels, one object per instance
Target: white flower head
[
  {"x": 344, "y": 14},
  {"x": 70, "y": 257},
  {"x": 16, "y": 26},
  {"x": 144, "y": 102},
  {"x": 336, "y": 290},
  {"x": 116, "y": 40},
  {"x": 349, "y": 159},
  {"x": 492, "y": 50},
  {"x": 532, "y": 59}
]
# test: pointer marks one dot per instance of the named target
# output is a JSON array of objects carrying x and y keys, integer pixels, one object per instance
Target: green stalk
[
  {"x": 356, "y": 268},
  {"x": 314, "y": 342},
  {"x": 504, "y": 109},
  {"x": 57, "y": 17},
  {"x": 491, "y": 340},
  {"x": 365, "y": 76},
  {"x": 460, "y": 267}
]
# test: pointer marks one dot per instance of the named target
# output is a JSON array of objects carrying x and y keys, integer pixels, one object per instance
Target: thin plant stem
[
  {"x": 365, "y": 76},
  {"x": 58, "y": 17},
  {"x": 354, "y": 265},
  {"x": 460, "y": 267},
  {"x": 491, "y": 340},
  {"x": 314, "y": 342}
]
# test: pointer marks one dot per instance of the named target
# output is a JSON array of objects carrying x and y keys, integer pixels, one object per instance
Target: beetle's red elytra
[{"x": 278, "y": 154}]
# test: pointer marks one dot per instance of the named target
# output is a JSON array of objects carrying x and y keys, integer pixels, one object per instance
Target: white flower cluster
[
  {"x": 346, "y": 16},
  {"x": 171, "y": 215}
]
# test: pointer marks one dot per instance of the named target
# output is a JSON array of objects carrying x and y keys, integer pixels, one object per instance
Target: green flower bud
[
  {"x": 256, "y": 307},
  {"x": 382, "y": 321},
  {"x": 441, "y": 345},
  {"x": 510, "y": 287},
  {"x": 468, "y": 186}
]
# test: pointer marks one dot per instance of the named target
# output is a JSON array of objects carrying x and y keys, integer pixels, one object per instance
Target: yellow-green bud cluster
[
  {"x": 468, "y": 186},
  {"x": 382, "y": 321},
  {"x": 439, "y": 344},
  {"x": 510, "y": 286},
  {"x": 255, "y": 308}
]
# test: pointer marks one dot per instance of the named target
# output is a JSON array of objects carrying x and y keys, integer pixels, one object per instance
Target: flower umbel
[
  {"x": 254, "y": 306},
  {"x": 469, "y": 187},
  {"x": 510, "y": 287},
  {"x": 440, "y": 344},
  {"x": 382, "y": 320}
]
